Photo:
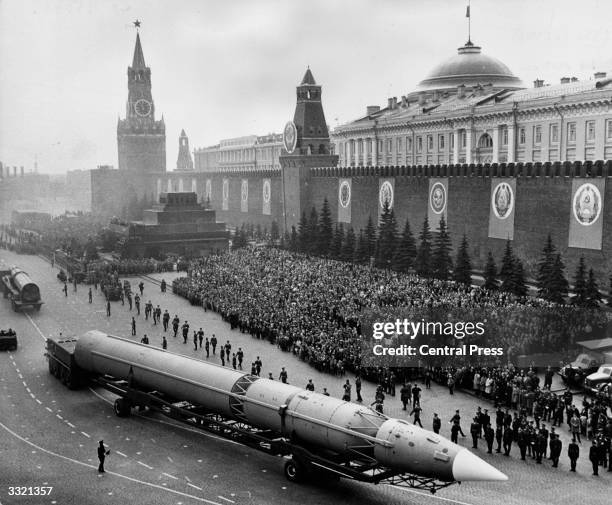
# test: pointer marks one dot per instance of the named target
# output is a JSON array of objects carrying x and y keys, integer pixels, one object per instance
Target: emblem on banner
[
  {"x": 587, "y": 204},
  {"x": 344, "y": 194},
  {"x": 386, "y": 194},
  {"x": 290, "y": 137},
  {"x": 437, "y": 198},
  {"x": 502, "y": 200},
  {"x": 266, "y": 191}
]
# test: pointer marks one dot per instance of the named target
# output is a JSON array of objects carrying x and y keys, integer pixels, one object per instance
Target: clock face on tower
[{"x": 142, "y": 107}]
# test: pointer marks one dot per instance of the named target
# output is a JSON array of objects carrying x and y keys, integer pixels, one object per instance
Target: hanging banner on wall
[
  {"x": 586, "y": 213},
  {"x": 344, "y": 200},
  {"x": 225, "y": 195},
  {"x": 208, "y": 194},
  {"x": 437, "y": 202},
  {"x": 266, "y": 194},
  {"x": 244, "y": 196},
  {"x": 501, "y": 210},
  {"x": 386, "y": 192}
]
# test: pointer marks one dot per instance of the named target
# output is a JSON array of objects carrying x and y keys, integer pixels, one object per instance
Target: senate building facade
[{"x": 472, "y": 109}]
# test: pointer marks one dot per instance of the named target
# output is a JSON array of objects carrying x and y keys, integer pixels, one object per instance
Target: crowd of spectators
[{"x": 313, "y": 307}]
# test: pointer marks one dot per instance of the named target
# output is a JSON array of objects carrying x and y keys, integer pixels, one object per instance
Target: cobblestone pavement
[{"x": 528, "y": 483}]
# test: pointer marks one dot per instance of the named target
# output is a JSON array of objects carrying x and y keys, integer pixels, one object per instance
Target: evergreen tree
[
  {"x": 506, "y": 273},
  {"x": 258, "y": 232},
  {"x": 387, "y": 237},
  {"x": 423, "y": 257},
  {"x": 519, "y": 288},
  {"x": 558, "y": 285},
  {"x": 303, "y": 234},
  {"x": 463, "y": 264},
  {"x": 313, "y": 231},
  {"x": 274, "y": 231},
  {"x": 294, "y": 241},
  {"x": 442, "y": 262},
  {"x": 593, "y": 296},
  {"x": 490, "y": 273},
  {"x": 370, "y": 237},
  {"x": 361, "y": 253},
  {"x": 545, "y": 269},
  {"x": 580, "y": 297},
  {"x": 336, "y": 245},
  {"x": 326, "y": 230},
  {"x": 348, "y": 247},
  {"x": 405, "y": 251}
]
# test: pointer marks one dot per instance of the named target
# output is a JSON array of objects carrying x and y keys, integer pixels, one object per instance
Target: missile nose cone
[{"x": 467, "y": 466}]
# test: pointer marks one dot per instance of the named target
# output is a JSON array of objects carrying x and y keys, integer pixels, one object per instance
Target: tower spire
[
  {"x": 138, "y": 60},
  {"x": 468, "y": 15}
]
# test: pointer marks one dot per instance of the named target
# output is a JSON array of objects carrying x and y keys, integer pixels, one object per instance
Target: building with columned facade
[{"x": 472, "y": 109}]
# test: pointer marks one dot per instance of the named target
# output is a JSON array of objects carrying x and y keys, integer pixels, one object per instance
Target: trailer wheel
[
  {"x": 294, "y": 471},
  {"x": 121, "y": 407}
]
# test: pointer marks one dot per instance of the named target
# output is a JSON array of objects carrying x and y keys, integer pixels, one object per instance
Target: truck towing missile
[{"x": 319, "y": 432}]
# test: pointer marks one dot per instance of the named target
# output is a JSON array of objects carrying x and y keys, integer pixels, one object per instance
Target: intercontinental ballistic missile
[{"x": 294, "y": 413}]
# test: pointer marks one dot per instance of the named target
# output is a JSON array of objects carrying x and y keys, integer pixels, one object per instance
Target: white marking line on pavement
[
  {"x": 39, "y": 402},
  {"x": 16, "y": 369},
  {"x": 430, "y": 495},
  {"x": 20, "y": 376},
  {"x": 161, "y": 421},
  {"x": 194, "y": 486},
  {"x": 28, "y": 390},
  {"x": 85, "y": 434},
  {"x": 168, "y": 475},
  {"x": 145, "y": 465},
  {"x": 226, "y": 499},
  {"x": 120, "y": 454},
  {"x": 93, "y": 467},
  {"x": 187, "y": 479},
  {"x": 36, "y": 327},
  {"x": 24, "y": 384},
  {"x": 33, "y": 397},
  {"x": 70, "y": 424},
  {"x": 48, "y": 409},
  {"x": 59, "y": 417}
]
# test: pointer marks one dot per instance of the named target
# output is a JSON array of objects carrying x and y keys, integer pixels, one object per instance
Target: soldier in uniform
[
  {"x": 133, "y": 327},
  {"x": 416, "y": 395},
  {"x": 108, "y": 308},
  {"x": 141, "y": 287},
  {"x": 325, "y": 392},
  {"x": 213, "y": 342},
  {"x": 358, "y": 388},
  {"x": 207, "y": 347},
  {"x": 522, "y": 442},
  {"x": 555, "y": 449},
  {"x": 594, "y": 457},
  {"x": 90, "y": 295},
  {"x": 416, "y": 411},
  {"x": 499, "y": 435},
  {"x": 508, "y": 438},
  {"x": 240, "y": 356},
  {"x": 456, "y": 420},
  {"x": 258, "y": 365},
  {"x": 164, "y": 342},
  {"x": 489, "y": 435},
  {"x": 405, "y": 395},
  {"x": 175, "y": 324},
  {"x": 102, "y": 453},
  {"x": 195, "y": 340},
  {"x": 185, "y": 328},
  {"x": 475, "y": 432},
  {"x": 145, "y": 339},
  {"x": 234, "y": 360},
  {"x": 347, "y": 391},
  {"x": 310, "y": 385},
  {"x": 436, "y": 424},
  {"x": 166, "y": 320},
  {"x": 137, "y": 303},
  {"x": 283, "y": 376},
  {"x": 573, "y": 452}
]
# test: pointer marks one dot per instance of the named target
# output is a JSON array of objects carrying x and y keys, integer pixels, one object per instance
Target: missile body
[{"x": 290, "y": 411}]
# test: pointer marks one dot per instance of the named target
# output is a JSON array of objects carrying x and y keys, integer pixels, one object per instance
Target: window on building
[
  {"x": 408, "y": 144},
  {"x": 452, "y": 141},
  {"x": 380, "y": 146},
  {"x": 609, "y": 129},
  {"x": 537, "y": 134},
  {"x": 463, "y": 139},
  {"x": 522, "y": 136},
  {"x": 419, "y": 144},
  {"x": 389, "y": 145},
  {"x": 505, "y": 136},
  {"x": 590, "y": 131},
  {"x": 440, "y": 142},
  {"x": 571, "y": 132},
  {"x": 554, "y": 133},
  {"x": 430, "y": 142},
  {"x": 398, "y": 145}
]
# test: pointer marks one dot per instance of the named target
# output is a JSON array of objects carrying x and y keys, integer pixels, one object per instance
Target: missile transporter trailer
[
  {"x": 19, "y": 288},
  {"x": 315, "y": 433}
]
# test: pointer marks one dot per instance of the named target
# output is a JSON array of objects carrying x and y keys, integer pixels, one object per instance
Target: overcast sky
[{"x": 226, "y": 68}]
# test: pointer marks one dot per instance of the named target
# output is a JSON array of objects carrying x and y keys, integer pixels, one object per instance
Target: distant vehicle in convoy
[
  {"x": 574, "y": 373},
  {"x": 316, "y": 433},
  {"x": 20, "y": 289},
  {"x": 8, "y": 340},
  {"x": 602, "y": 376}
]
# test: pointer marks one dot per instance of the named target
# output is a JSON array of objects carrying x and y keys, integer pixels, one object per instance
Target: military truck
[{"x": 8, "y": 340}]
